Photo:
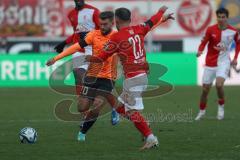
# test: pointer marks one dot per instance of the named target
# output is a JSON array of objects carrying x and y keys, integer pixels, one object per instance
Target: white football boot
[
  {"x": 151, "y": 142},
  {"x": 220, "y": 115},
  {"x": 200, "y": 115}
]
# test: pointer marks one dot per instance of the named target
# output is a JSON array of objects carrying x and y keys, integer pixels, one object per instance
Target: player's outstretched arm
[
  {"x": 69, "y": 51},
  {"x": 164, "y": 19},
  {"x": 167, "y": 17},
  {"x": 156, "y": 19}
]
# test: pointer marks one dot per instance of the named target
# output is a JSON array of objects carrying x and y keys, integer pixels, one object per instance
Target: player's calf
[
  {"x": 203, "y": 101},
  {"x": 83, "y": 104},
  {"x": 220, "y": 92},
  {"x": 91, "y": 117},
  {"x": 143, "y": 127}
]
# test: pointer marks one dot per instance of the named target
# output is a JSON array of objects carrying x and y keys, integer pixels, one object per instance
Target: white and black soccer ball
[{"x": 28, "y": 135}]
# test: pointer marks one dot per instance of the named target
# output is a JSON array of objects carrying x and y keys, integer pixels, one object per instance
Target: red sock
[
  {"x": 221, "y": 102},
  {"x": 202, "y": 106},
  {"x": 121, "y": 110},
  {"x": 140, "y": 124}
]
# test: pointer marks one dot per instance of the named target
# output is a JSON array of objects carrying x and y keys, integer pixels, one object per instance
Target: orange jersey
[{"x": 107, "y": 69}]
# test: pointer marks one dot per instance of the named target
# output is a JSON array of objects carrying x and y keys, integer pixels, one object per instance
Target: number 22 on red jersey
[{"x": 138, "y": 50}]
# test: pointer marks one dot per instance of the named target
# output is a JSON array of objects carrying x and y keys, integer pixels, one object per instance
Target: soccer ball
[{"x": 28, "y": 135}]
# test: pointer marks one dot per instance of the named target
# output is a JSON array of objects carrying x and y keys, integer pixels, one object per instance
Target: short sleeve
[{"x": 89, "y": 37}]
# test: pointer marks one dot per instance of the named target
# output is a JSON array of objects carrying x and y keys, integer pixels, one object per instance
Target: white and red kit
[
  {"x": 128, "y": 43},
  {"x": 218, "y": 62},
  {"x": 82, "y": 21}
]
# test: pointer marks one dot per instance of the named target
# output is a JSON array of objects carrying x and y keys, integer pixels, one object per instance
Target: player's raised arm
[
  {"x": 155, "y": 19},
  {"x": 204, "y": 42},
  {"x": 73, "y": 49}
]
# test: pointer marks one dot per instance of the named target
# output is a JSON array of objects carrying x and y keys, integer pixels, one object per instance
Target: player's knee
[
  {"x": 219, "y": 82},
  {"x": 98, "y": 102},
  {"x": 83, "y": 105},
  {"x": 79, "y": 73},
  {"x": 206, "y": 89},
  {"x": 95, "y": 113},
  {"x": 219, "y": 85},
  {"x": 82, "y": 108}
]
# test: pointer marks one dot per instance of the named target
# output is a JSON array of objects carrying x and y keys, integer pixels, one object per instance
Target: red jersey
[
  {"x": 215, "y": 37},
  {"x": 128, "y": 43},
  {"x": 83, "y": 21}
]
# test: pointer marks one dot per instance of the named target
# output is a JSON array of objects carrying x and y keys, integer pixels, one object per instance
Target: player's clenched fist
[
  {"x": 168, "y": 17},
  {"x": 163, "y": 8},
  {"x": 199, "y": 54},
  {"x": 50, "y": 62},
  {"x": 234, "y": 63},
  {"x": 59, "y": 48}
]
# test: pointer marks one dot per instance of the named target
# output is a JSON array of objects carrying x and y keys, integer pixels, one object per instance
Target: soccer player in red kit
[
  {"x": 128, "y": 43},
  {"x": 219, "y": 38}
]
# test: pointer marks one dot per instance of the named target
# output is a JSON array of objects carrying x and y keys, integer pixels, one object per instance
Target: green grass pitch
[{"x": 181, "y": 138}]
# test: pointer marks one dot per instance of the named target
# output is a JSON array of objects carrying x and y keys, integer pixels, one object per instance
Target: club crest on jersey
[
  {"x": 221, "y": 47},
  {"x": 131, "y": 32}
]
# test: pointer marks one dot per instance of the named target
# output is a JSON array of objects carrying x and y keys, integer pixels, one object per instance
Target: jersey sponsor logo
[
  {"x": 221, "y": 47},
  {"x": 109, "y": 46},
  {"x": 194, "y": 16}
]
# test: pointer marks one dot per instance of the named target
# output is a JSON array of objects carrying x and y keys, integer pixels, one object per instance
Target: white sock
[
  {"x": 151, "y": 136},
  {"x": 202, "y": 111},
  {"x": 221, "y": 106}
]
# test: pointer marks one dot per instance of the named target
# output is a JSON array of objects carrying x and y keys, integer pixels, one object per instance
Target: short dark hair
[
  {"x": 123, "y": 14},
  {"x": 222, "y": 11},
  {"x": 106, "y": 15}
]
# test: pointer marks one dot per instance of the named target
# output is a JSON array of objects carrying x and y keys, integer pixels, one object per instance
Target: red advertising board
[
  {"x": 31, "y": 18},
  {"x": 47, "y": 18}
]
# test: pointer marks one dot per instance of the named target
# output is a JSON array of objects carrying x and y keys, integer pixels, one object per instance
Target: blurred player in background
[
  {"x": 128, "y": 43},
  {"x": 219, "y": 38},
  {"x": 84, "y": 18},
  {"x": 99, "y": 77}
]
